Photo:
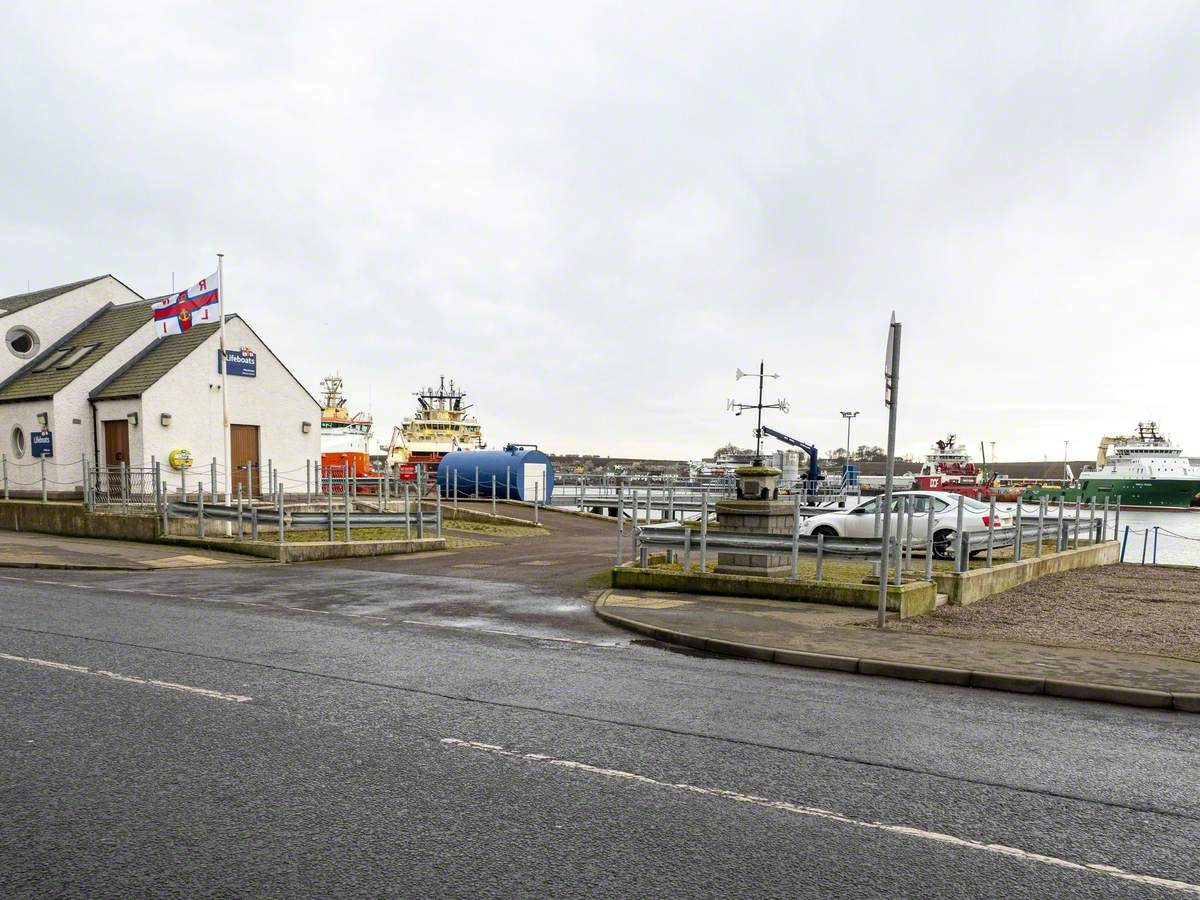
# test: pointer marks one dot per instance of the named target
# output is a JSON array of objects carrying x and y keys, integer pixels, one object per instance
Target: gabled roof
[
  {"x": 18, "y": 302},
  {"x": 103, "y": 331},
  {"x": 145, "y": 369}
]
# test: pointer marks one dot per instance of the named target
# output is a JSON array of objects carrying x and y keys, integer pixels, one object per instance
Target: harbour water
[{"x": 1178, "y": 533}]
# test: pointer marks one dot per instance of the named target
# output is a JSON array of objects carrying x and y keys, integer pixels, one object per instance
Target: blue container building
[{"x": 521, "y": 472}]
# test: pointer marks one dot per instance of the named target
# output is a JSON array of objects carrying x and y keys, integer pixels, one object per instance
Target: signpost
[{"x": 891, "y": 395}]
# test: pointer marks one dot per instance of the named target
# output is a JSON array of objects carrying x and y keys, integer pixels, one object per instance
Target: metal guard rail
[{"x": 267, "y": 515}]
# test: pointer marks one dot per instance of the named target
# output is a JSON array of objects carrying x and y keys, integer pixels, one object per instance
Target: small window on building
[
  {"x": 22, "y": 342},
  {"x": 52, "y": 359},
  {"x": 18, "y": 442},
  {"x": 76, "y": 355}
]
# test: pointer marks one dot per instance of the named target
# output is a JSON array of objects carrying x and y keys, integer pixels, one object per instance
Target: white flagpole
[{"x": 224, "y": 385}]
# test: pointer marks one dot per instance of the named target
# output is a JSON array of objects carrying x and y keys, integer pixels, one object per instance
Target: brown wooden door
[
  {"x": 243, "y": 450},
  {"x": 116, "y": 454}
]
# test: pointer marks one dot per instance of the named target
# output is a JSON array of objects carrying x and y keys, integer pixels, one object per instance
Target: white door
[{"x": 535, "y": 483}]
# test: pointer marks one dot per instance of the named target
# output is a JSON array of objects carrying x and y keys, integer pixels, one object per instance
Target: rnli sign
[
  {"x": 239, "y": 362},
  {"x": 41, "y": 443}
]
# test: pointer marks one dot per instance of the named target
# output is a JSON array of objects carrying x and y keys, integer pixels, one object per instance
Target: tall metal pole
[
  {"x": 224, "y": 386},
  {"x": 892, "y": 396}
]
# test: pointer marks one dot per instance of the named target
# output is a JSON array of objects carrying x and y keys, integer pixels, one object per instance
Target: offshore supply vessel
[
  {"x": 440, "y": 426},
  {"x": 345, "y": 438},
  {"x": 1145, "y": 470},
  {"x": 948, "y": 467}
]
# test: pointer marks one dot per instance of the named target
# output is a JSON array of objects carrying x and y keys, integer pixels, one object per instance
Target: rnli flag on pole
[{"x": 195, "y": 306}]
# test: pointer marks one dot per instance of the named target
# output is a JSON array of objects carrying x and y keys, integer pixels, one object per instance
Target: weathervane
[{"x": 781, "y": 405}]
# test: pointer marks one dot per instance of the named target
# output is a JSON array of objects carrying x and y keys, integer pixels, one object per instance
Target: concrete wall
[
  {"x": 912, "y": 599},
  {"x": 191, "y": 393},
  {"x": 51, "y": 319},
  {"x": 72, "y": 520},
  {"x": 964, "y": 589}
]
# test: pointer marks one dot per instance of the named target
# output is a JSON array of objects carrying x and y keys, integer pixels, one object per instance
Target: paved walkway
[
  {"x": 847, "y": 633},
  {"x": 28, "y": 549}
]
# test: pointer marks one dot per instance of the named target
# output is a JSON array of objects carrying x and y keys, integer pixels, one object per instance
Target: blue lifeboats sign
[
  {"x": 41, "y": 443},
  {"x": 242, "y": 362}
]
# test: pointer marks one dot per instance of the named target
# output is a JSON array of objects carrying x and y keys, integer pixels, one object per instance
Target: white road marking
[
  {"x": 818, "y": 813},
  {"x": 516, "y": 634},
  {"x": 132, "y": 679}
]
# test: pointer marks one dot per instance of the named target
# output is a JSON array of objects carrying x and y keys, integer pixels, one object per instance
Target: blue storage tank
[{"x": 521, "y": 472}]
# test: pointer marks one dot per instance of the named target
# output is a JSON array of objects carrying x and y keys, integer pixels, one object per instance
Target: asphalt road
[{"x": 331, "y": 730}]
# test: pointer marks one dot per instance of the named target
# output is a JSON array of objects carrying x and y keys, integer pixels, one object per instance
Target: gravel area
[{"x": 1136, "y": 609}]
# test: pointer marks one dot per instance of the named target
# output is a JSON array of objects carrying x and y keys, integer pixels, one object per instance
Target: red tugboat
[{"x": 948, "y": 467}]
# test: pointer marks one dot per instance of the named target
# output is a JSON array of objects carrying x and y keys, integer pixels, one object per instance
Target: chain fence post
[
  {"x": 704, "y": 530},
  {"x": 329, "y": 513},
  {"x": 346, "y": 492},
  {"x": 42, "y": 460},
  {"x": 124, "y": 475},
  {"x": 821, "y": 556},
  {"x": 929, "y": 546},
  {"x": 4, "y": 467},
  {"x": 508, "y": 482},
  {"x": 1020, "y": 542},
  {"x": 620, "y": 524},
  {"x": 493, "y": 494},
  {"x": 795, "y": 536},
  {"x": 282, "y": 533},
  {"x": 1041, "y": 525}
]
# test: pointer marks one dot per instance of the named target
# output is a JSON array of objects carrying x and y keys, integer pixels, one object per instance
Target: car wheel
[
  {"x": 825, "y": 530},
  {"x": 943, "y": 543}
]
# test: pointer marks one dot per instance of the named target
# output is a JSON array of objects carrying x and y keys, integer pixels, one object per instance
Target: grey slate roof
[
  {"x": 137, "y": 375},
  {"x": 107, "y": 328},
  {"x": 18, "y": 302}
]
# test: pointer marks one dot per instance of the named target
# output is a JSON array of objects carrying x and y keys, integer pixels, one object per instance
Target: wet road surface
[{"x": 341, "y": 729}]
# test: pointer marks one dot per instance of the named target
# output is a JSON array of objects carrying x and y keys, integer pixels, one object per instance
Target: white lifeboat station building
[{"x": 86, "y": 376}]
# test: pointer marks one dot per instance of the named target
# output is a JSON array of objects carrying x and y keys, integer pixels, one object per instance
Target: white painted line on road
[
  {"x": 818, "y": 813},
  {"x": 132, "y": 679}
]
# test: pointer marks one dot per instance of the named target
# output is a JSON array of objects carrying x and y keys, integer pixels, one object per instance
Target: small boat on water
[{"x": 1145, "y": 470}]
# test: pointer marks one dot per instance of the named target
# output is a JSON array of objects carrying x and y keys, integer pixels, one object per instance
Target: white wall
[
  {"x": 53, "y": 318},
  {"x": 191, "y": 393}
]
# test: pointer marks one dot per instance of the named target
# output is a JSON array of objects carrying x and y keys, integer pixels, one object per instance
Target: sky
[{"x": 590, "y": 215}]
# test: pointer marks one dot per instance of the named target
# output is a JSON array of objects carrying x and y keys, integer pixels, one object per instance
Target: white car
[{"x": 860, "y": 521}]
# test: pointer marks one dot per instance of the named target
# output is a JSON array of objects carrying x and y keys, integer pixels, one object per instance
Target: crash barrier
[
  {"x": 1067, "y": 533},
  {"x": 338, "y": 522}
]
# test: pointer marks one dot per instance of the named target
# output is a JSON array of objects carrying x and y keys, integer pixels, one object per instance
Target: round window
[
  {"x": 22, "y": 342},
  {"x": 18, "y": 438}
]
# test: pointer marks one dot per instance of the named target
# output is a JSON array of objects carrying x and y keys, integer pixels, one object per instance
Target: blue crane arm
[{"x": 814, "y": 471}]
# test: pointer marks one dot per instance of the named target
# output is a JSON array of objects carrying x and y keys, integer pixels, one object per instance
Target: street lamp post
[{"x": 848, "y": 416}]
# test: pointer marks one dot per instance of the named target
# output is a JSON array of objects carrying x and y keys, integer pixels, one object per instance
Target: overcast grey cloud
[{"x": 591, "y": 214}]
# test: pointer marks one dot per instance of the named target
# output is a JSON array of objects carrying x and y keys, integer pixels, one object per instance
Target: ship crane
[{"x": 814, "y": 470}]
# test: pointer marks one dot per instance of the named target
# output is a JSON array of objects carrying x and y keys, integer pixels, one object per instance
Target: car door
[{"x": 860, "y": 521}]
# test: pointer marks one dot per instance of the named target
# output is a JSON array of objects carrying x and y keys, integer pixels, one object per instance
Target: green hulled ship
[{"x": 1145, "y": 470}]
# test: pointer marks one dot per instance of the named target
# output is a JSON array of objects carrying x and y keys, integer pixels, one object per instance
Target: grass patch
[{"x": 496, "y": 528}]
